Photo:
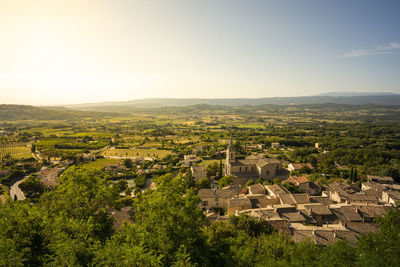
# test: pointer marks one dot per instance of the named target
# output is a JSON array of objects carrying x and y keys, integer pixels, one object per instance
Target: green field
[
  {"x": 16, "y": 152},
  {"x": 210, "y": 161},
  {"x": 153, "y": 153},
  {"x": 100, "y": 163}
]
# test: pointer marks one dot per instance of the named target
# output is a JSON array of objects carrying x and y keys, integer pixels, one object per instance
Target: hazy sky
[{"x": 56, "y": 52}]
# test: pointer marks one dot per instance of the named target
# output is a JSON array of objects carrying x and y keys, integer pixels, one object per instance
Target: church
[{"x": 252, "y": 167}]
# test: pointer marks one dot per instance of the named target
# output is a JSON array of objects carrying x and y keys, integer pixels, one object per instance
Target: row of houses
[{"x": 341, "y": 211}]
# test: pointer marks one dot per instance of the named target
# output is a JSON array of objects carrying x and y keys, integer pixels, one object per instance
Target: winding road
[{"x": 16, "y": 191}]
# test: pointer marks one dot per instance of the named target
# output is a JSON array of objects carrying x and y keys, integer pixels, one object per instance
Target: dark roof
[
  {"x": 347, "y": 188},
  {"x": 277, "y": 189},
  {"x": 224, "y": 193},
  {"x": 371, "y": 211},
  {"x": 239, "y": 202},
  {"x": 324, "y": 237},
  {"x": 347, "y": 214},
  {"x": 280, "y": 226},
  {"x": 295, "y": 216},
  {"x": 257, "y": 189},
  {"x": 318, "y": 209},
  {"x": 362, "y": 228},
  {"x": 380, "y": 179},
  {"x": 376, "y": 186},
  {"x": 320, "y": 199},
  {"x": 234, "y": 188},
  {"x": 287, "y": 198},
  {"x": 259, "y": 201},
  {"x": 301, "y": 198},
  {"x": 211, "y": 193}
]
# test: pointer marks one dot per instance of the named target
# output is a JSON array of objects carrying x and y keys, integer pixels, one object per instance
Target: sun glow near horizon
[{"x": 61, "y": 52}]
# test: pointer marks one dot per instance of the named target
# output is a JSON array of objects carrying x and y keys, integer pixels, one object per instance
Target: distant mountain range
[
  {"x": 338, "y": 94},
  {"x": 347, "y": 98}
]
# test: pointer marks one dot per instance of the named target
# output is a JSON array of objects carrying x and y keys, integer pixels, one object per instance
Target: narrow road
[{"x": 16, "y": 191}]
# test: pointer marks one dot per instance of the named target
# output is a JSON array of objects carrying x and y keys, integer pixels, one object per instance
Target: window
[{"x": 204, "y": 203}]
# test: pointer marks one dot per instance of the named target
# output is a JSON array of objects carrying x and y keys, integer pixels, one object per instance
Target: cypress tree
[
  {"x": 351, "y": 174},
  {"x": 220, "y": 169}
]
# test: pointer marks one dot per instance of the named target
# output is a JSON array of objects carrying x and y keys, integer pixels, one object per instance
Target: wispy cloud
[{"x": 379, "y": 50}]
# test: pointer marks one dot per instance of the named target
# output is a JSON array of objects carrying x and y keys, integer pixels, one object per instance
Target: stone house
[
  {"x": 198, "y": 172},
  {"x": 391, "y": 197},
  {"x": 252, "y": 167},
  {"x": 237, "y": 204},
  {"x": 380, "y": 179},
  {"x": 304, "y": 185},
  {"x": 320, "y": 213},
  {"x": 215, "y": 198}
]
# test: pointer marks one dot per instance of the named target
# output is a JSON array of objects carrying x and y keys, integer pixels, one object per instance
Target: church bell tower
[{"x": 230, "y": 157}]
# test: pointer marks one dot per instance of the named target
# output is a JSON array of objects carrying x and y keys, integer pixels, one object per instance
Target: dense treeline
[{"x": 73, "y": 225}]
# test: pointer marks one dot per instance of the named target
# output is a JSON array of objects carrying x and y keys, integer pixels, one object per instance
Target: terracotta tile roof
[{"x": 297, "y": 180}]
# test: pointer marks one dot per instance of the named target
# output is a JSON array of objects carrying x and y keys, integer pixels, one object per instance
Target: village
[
  {"x": 314, "y": 184},
  {"x": 319, "y": 213}
]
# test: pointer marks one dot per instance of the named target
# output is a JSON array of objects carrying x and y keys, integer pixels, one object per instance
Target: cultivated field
[
  {"x": 16, "y": 152},
  {"x": 101, "y": 163}
]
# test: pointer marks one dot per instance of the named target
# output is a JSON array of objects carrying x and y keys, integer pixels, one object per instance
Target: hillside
[
  {"x": 128, "y": 106},
  {"x": 22, "y": 112}
]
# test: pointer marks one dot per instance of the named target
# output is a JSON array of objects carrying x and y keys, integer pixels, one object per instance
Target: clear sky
[{"x": 74, "y": 51}]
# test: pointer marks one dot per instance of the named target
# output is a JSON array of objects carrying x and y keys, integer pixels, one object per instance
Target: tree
[
  {"x": 121, "y": 185},
  {"x": 212, "y": 169},
  {"x": 21, "y": 235},
  {"x": 128, "y": 163},
  {"x": 32, "y": 187},
  {"x": 351, "y": 174},
  {"x": 219, "y": 176},
  {"x": 249, "y": 182},
  {"x": 168, "y": 218},
  {"x": 341, "y": 251},
  {"x": 224, "y": 181},
  {"x": 382, "y": 248},
  {"x": 355, "y": 175},
  {"x": 77, "y": 218},
  {"x": 204, "y": 183}
]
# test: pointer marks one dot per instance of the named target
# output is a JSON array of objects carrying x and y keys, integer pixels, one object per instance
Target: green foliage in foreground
[{"x": 72, "y": 226}]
